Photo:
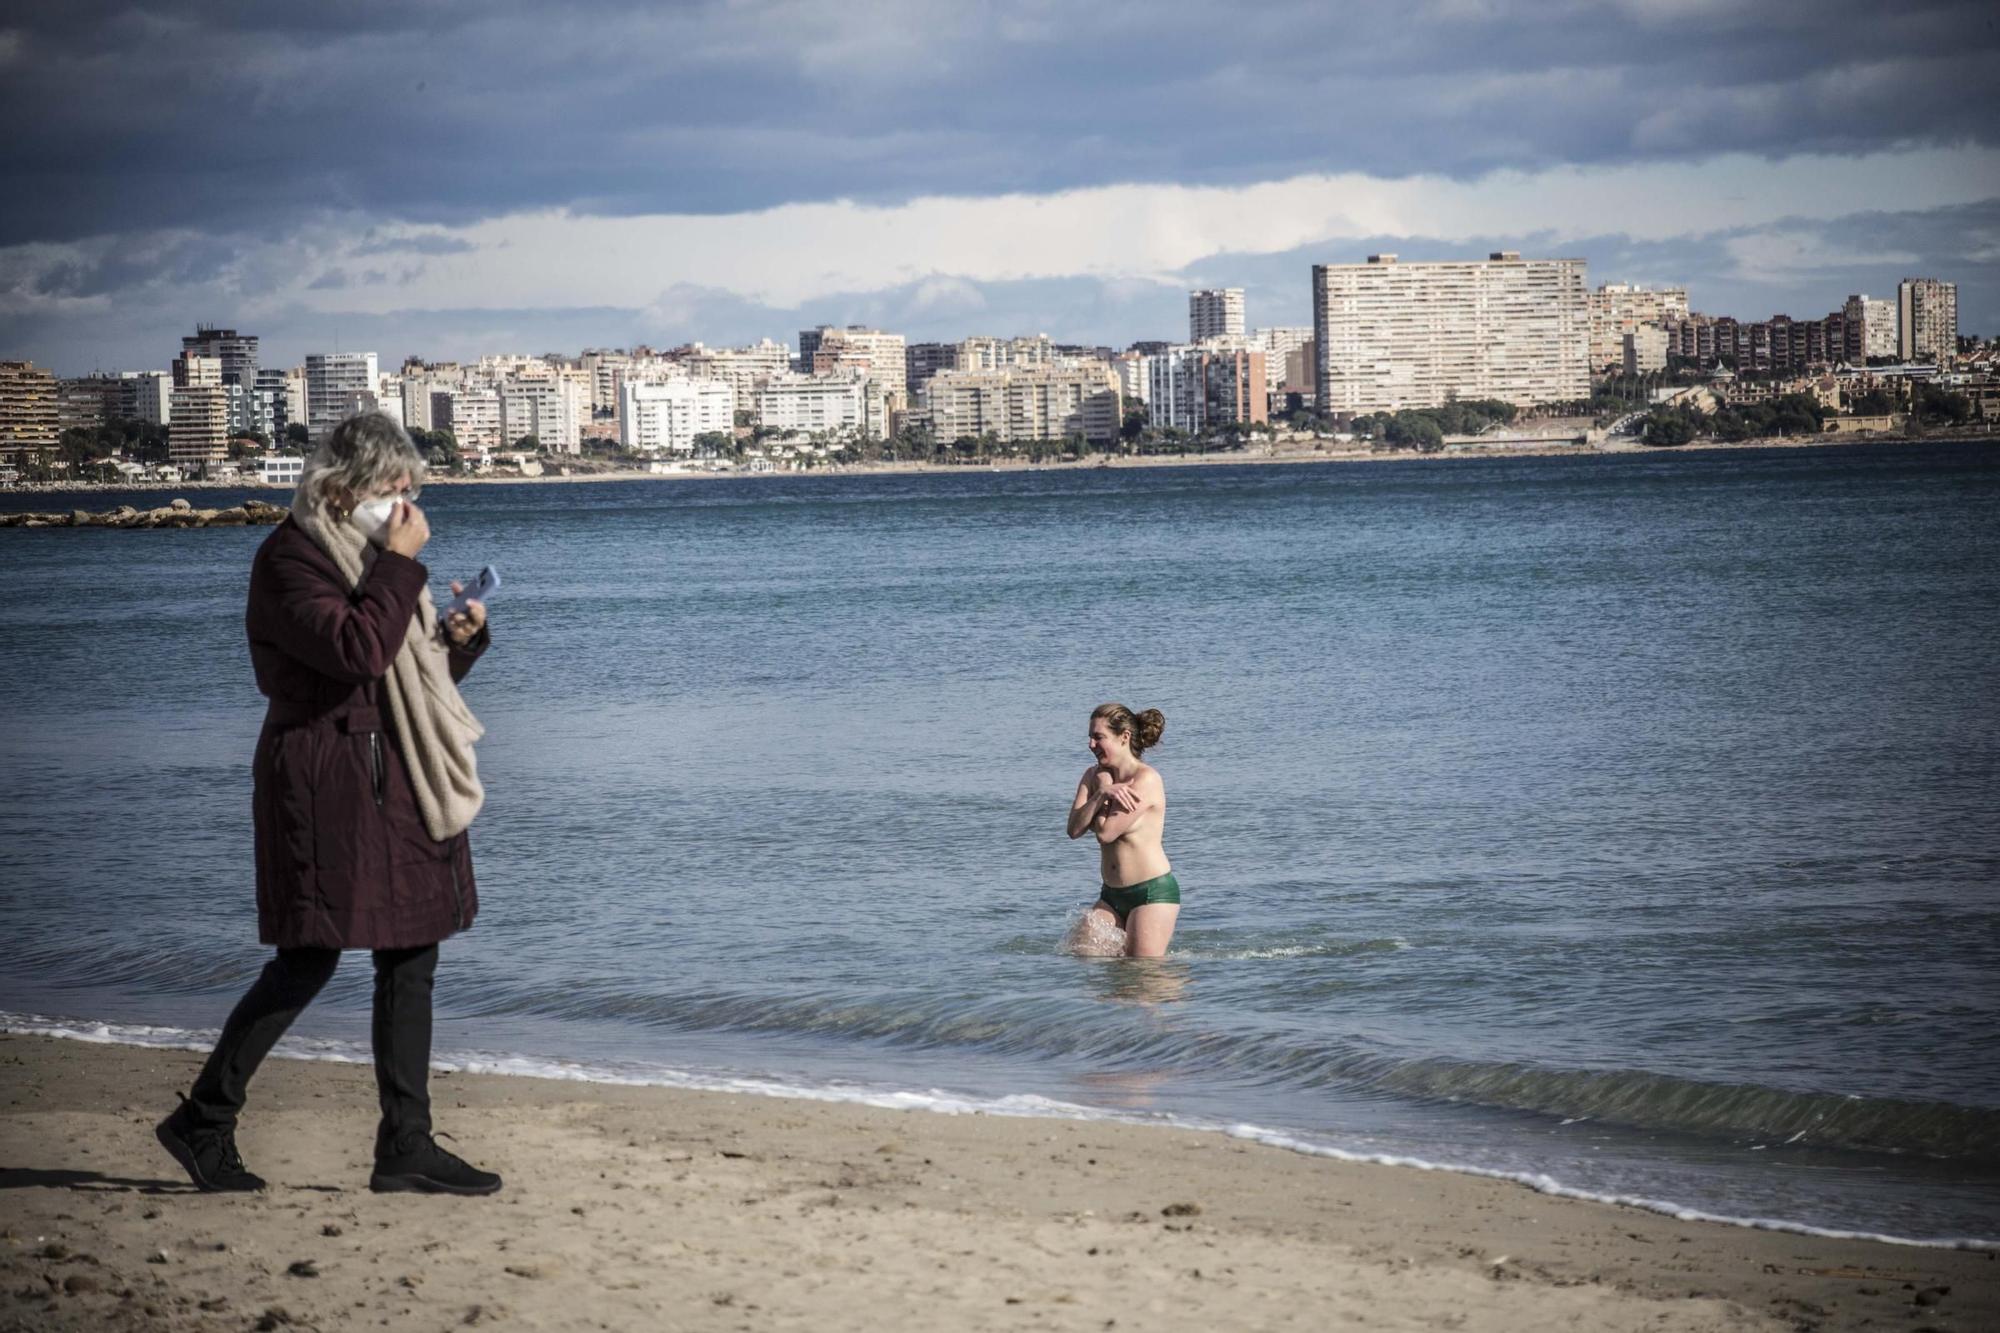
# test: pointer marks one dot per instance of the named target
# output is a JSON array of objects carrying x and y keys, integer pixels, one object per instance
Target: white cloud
[{"x": 798, "y": 253}]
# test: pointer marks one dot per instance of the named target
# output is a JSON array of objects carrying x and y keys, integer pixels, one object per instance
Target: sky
[{"x": 446, "y": 179}]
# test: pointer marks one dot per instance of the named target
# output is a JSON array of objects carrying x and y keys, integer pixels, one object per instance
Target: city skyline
[{"x": 449, "y": 184}]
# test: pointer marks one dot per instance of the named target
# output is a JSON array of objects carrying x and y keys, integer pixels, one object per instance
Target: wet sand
[{"x": 643, "y": 1208}]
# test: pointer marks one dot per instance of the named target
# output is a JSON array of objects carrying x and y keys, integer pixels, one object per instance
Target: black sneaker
[
  {"x": 425, "y": 1168},
  {"x": 209, "y": 1156}
]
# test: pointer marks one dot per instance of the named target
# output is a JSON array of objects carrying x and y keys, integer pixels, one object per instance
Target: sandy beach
[
  {"x": 630, "y": 1208},
  {"x": 1260, "y": 454}
]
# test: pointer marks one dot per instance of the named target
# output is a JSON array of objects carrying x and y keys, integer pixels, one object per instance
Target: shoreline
[
  {"x": 1259, "y": 457},
  {"x": 627, "y": 1205}
]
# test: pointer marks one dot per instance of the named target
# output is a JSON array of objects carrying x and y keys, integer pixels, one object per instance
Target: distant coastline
[{"x": 1257, "y": 455}]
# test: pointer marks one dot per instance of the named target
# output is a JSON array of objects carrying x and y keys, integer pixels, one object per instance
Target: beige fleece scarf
[{"x": 437, "y": 730}]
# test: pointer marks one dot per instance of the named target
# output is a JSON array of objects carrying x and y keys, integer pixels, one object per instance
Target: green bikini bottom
[{"x": 1160, "y": 889}]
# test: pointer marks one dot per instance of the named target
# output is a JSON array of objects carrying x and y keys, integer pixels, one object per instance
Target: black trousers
[{"x": 401, "y": 1036}]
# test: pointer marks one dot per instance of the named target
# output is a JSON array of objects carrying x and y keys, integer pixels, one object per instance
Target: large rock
[{"x": 178, "y": 503}]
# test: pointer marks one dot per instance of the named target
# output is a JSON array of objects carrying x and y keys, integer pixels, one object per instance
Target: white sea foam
[{"x": 935, "y": 1100}]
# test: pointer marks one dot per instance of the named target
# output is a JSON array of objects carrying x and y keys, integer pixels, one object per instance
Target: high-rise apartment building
[
  {"x": 337, "y": 385},
  {"x": 1617, "y": 308},
  {"x": 1927, "y": 320},
  {"x": 1215, "y": 312},
  {"x": 237, "y": 352},
  {"x": 923, "y": 360},
  {"x": 744, "y": 368},
  {"x": 547, "y": 409},
  {"x": 1869, "y": 323},
  {"x": 813, "y": 403},
  {"x": 881, "y": 356},
  {"x": 1202, "y": 388},
  {"x": 667, "y": 416},
  {"x": 1392, "y": 335},
  {"x": 1028, "y": 403},
  {"x": 199, "y": 430},
  {"x": 89, "y": 401},
  {"x": 981, "y": 352},
  {"x": 28, "y": 409},
  {"x": 1278, "y": 345}
]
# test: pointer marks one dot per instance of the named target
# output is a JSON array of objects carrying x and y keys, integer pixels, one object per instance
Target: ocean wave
[
  {"x": 936, "y": 1101},
  {"x": 1127, "y": 1016}
]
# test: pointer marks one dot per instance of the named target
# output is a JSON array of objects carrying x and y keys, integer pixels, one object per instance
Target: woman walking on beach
[
  {"x": 364, "y": 785},
  {"x": 1123, "y": 801}
]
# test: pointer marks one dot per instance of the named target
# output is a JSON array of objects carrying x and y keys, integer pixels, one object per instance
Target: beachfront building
[
  {"x": 28, "y": 410},
  {"x": 1617, "y": 308},
  {"x": 1278, "y": 345},
  {"x": 923, "y": 360},
  {"x": 814, "y": 404},
  {"x": 1204, "y": 388},
  {"x": 1215, "y": 312},
  {"x": 199, "y": 432},
  {"x": 981, "y": 352},
  {"x": 1869, "y": 323},
  {"x": 1392, "y": 335},
  {"x": 236, "y": 352},
  {"x": 546, "y": 408},
  {"x": 1030, "y": 403},
  {"x": 1645, "y": 350},
  {"x": 333, "y": 381},
  {"x": 666, "y": 416},
  {"x": 88, "y": 401},
  {"x": 745, "y": 369},
  {"x": 880, "y": 356},
  {"x": 1927, "y": 320}
]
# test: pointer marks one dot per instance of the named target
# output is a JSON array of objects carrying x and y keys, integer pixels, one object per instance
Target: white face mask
[{"x": 371, "y": 517}]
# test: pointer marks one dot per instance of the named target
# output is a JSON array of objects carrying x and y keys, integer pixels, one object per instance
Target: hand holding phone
[{"x": 479, "y": 590}]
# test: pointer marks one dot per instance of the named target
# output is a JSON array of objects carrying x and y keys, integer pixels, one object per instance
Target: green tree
[{"x": 296, "y": 433}]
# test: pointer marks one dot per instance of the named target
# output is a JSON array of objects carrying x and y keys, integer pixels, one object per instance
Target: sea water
[{"x": 1625, "y": 824}]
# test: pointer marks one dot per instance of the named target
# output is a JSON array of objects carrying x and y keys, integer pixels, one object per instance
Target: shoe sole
[
  {"x": 426, "y": 1185},
  {"x": 180, "y": 1153}
]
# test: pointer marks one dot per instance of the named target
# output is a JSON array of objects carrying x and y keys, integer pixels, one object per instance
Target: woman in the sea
[{"x": 1123, "y": 800}]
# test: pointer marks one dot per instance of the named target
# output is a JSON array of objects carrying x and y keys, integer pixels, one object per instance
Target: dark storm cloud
[{"x": 248, "y": 115}]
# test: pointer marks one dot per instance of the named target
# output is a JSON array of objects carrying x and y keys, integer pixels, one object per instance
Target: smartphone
[{"x": 478, "y": 590}]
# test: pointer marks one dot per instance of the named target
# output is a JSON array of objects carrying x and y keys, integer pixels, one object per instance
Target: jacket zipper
[
  {"x": 375, "y": 765},
  {"x": 457, "y": 898}
]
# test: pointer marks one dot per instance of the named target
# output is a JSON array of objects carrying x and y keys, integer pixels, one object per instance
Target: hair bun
[{"x": 1147, "y": 727}]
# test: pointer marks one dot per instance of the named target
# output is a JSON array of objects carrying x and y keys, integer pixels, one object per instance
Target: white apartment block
[
  {"x": 1202, "y": 387},
  {"x": 152, "y": 396},
  {"x": 1927, "y": 321},
  {"x": 1645, "y": 350},
  {"x": 1130, "y": 368},
  {"x": 1869, "y": 323},
  {"x": 981, "y": 352},
  {"x": 544, "y": 408},
  {"x": 813, "y": 403},
  {"x": 881, "y": 356},
  {"x": 1392, "y": 336},
  {"x": 1215, "y": 312},
  {"x": 604, "y": 367},
  {"x": 744, "y": 368},
  {"x": 332, "y": 381},
  {"x": 1278, "y": 345},
  {"x": 1617, "y": 308},
  {"x": 474, "y": 416},
  {"x": 417, "y": 390},
  {"x": 1037, "y": 403},
  {"x": 389, "y": 399},
  {"x": 666, "y": 417}
]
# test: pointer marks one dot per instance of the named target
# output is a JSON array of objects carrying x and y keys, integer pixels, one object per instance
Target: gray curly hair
[{"x": 363, "y": 453}]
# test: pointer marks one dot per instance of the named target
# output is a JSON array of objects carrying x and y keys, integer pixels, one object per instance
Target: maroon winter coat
[{"x": 343, "y": 858}]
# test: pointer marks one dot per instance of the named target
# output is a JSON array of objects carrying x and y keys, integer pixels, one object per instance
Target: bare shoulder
[{"x": 1149, "y": 778}]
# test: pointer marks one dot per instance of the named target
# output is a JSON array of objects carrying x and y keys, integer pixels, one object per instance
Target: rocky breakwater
[{"x": 175, "y": 514}]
